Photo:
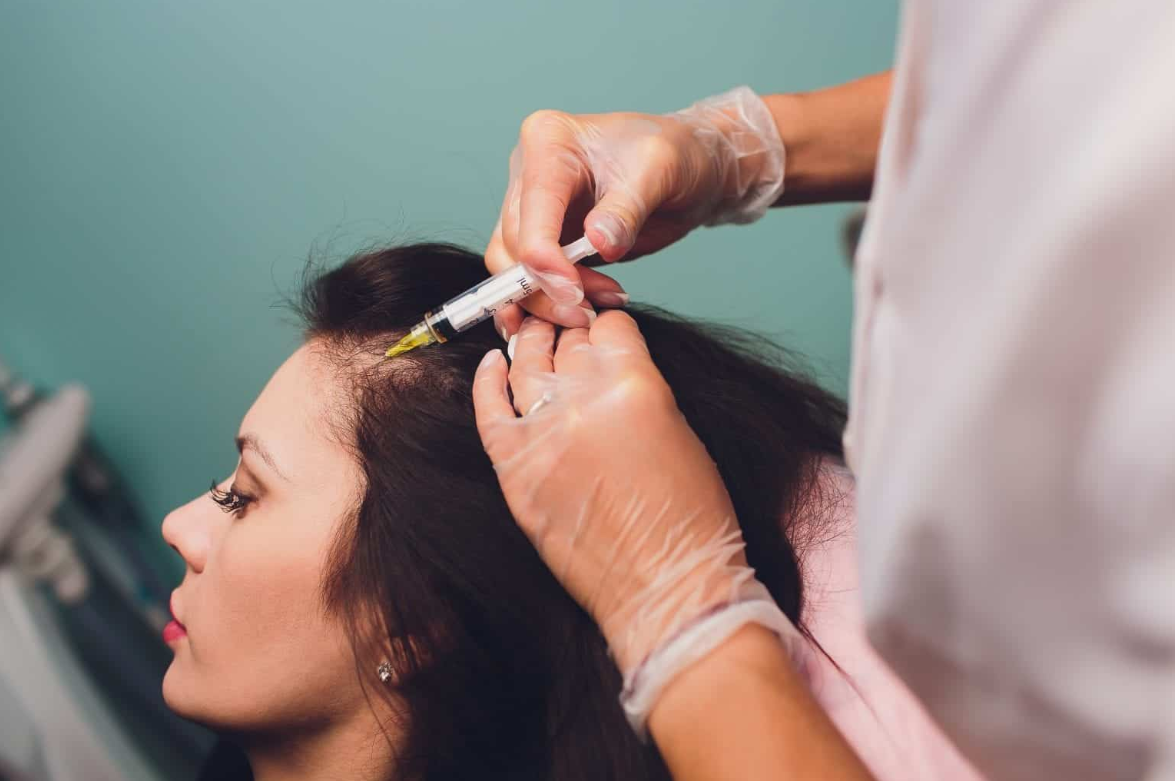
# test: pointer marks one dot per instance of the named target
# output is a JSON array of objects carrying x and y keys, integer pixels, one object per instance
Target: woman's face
[{"x": 260, "y": 652}]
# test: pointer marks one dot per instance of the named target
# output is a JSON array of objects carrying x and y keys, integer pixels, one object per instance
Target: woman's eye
[{"x": 231, "y": 501}]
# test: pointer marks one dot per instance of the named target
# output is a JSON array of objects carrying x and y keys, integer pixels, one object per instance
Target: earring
[{"x": 385, "y": 672}]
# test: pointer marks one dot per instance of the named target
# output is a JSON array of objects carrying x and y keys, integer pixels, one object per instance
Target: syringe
[{"x": 479, "y": 302}]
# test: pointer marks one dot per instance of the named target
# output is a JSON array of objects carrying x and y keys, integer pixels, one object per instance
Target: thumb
[{"x": 613, "y": 225}]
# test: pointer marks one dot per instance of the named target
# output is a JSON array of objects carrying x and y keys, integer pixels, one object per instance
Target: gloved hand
[
  {"x": 633, "y": 183},
  {"x": 620, "y": 498}
]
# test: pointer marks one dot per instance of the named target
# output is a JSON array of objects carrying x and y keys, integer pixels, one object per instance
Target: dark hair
[{"x": 498, "y": 673}]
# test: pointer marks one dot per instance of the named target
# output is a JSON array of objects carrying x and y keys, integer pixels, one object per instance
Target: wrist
[
  {"x": 745, "y": 712},
  {"x": 787, "y": 111},
  {"x": 807, "y": 167},
  {"x": 657, "y": 612},
  {"x": 832, "y": 138},
  {"x": 696, "y": 640},
  {"x": 749, "y": 662}
]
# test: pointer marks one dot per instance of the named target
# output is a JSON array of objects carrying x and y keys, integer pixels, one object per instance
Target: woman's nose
[{"x": 188, "y": 530}]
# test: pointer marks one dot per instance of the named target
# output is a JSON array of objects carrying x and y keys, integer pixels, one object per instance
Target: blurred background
[{"x": 167, "y": 168}]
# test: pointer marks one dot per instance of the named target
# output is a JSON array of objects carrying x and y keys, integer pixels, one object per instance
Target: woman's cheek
[{"x": 268, "y": 580}]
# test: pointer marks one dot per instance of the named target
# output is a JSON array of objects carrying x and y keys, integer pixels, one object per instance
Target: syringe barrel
[{"x": 481, "y": 301}]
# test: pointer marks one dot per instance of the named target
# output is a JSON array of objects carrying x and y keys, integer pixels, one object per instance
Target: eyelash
[{"x": 231, "y": 501}]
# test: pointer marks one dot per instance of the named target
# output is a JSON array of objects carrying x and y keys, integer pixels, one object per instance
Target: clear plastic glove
[
  {"x": 619, "y": 496},
  {"x": 632, "y": 183}
]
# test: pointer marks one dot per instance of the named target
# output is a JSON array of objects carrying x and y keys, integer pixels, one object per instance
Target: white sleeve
[{"x": 1013, "y": 424}]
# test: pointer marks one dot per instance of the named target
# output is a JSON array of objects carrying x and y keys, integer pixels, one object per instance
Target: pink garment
[{"x": 873, "y": 709}]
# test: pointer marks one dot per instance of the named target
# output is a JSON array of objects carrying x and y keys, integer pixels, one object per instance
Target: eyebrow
[{"x": 251, "y": 442}]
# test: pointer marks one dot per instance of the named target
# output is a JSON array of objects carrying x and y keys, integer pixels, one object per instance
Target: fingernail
[
  {"x": 561, "y": 289},
  {"x": 611, "y": 228},
  {"x": 501, "y": 329},
  {"x": 510, "y": 344},
  {"x": 573, "y": 316},
  {"x": 592, "y": 315},
  {"x": 490, "y": 358},
  {"x": 609, "y": 298}
]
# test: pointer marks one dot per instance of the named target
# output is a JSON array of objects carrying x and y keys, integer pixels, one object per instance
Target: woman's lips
[{"x": 173, "y": 631}]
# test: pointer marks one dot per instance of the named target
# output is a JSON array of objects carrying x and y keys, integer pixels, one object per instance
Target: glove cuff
[
  {"x": 750, "y": 153},
  {"x": 644, "y": 684}
]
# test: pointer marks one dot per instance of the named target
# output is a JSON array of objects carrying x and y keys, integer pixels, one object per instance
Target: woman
[{"x": 366, "y": 606}]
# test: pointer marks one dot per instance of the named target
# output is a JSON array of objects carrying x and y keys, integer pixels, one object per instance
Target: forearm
[
  {"x": 743, "y": 712},
  {"x": 831, "y": 137}
]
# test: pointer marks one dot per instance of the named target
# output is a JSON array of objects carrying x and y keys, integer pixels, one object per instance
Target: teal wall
[{"x": 165, "y": 168}]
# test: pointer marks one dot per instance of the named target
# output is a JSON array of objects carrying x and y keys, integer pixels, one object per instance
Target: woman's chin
[
  {"x": 193, "y": 694},
  {"x": 179, "y": 693}
]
